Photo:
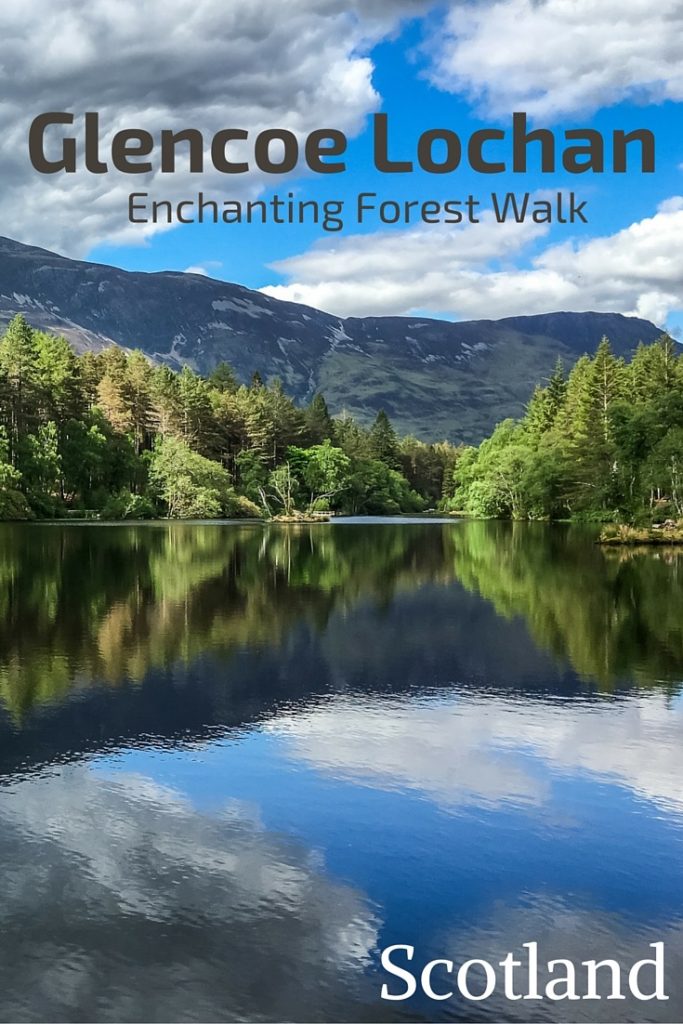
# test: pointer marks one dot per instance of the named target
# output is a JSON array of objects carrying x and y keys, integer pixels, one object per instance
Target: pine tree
[
  {"x": 112, "y": 390},
  {"x": 20, "y": 370},
  {"x": 90, "y": 373},
  {"x": 195, "y": 411},
  {"x": 607, "y": 383},
  {"x": 352, "y": 438},
  {"x": 223, "y": 378},
  {"x": 230, "y": 432},
  {"x": 258, "y": 429},
  {"x": 579, "y": 425},
  {"x": 138, "y": 394},
  {"x": 383, "y": 441},
  {"x": 557, "y": 388},
  {"x": 655, "y": 370},
  {"x": 165, "y": 411},
  {"x": 60, "y": 378},
  {"x": 669, "y": 363},
  {"x": 319, "y": 423},
  {"x": 546, "y": 402},
  {"x": 287, "y": 422},
  {"x": 112, "y": 401},
  {"x": 539, "y": 412}
]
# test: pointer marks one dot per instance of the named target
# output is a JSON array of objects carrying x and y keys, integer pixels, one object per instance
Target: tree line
[
  {"x": 111, "y": 433},
  {"x": 603, "y": 443}
]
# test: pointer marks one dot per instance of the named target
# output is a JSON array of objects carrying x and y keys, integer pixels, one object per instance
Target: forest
[
  {"x": 111, "y": 435},
  {"x": 603, "y": 443}
]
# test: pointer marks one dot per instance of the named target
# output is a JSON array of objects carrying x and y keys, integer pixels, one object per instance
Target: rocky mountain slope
[{"x": 434, "y": 378}]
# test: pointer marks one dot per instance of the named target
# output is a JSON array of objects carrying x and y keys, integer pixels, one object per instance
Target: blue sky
[
  {"x": 244, "y": 253},
  {"x": 458, "y": 65}
]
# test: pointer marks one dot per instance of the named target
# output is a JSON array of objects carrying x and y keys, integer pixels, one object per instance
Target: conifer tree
[
  {"x": 607, "y": 383},
  {"x": 194, "y": 411},
  {"x": 20, "y": 370},
  {"x": 557, "y": 388},
  {"x": 165, "y": 411},
  {"x": 223, "y": 378},
  {"x": 138, "y": 394},
  {"x": 383, "y": 441},
  {"x": 60, "y": 378},
  {"x": 286, "y": 421},
  {"x": 319, "y": 423}
]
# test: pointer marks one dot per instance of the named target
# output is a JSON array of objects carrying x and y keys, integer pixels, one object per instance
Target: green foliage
[
  {"x": 319, "y": 425},
  {"x": 427, "y": 467},
  {"x": 13, "y": 504},
  {"x": 110, "y": 605},
  {"x": 125, "y": 505},
  {"x": 21, "y": 385},
  {"x": 86, "y": 432},
  {"x": 375, "y": 489},
  {"x": 111, "y": 433},
  {"x": 189, "y": 485},
  {"x": 252, "y": 473},
  {"x": 352, "y": 438},
  {"x": 247, "y": 509},
  {"x": 322, "y": 473},
  {"x": 383, "y": 441},
  {"x": 606, "y": 443},
  {"x": 40, "y": 460},
  {"x": 223, "y": 378}
]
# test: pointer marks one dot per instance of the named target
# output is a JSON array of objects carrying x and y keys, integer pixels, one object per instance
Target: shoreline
[{"x": 667, "y": 535}]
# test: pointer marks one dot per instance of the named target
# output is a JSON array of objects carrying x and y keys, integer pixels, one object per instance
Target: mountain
[{"x": 434, "y": 378}]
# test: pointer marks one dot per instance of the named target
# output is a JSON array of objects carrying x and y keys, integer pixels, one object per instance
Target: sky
[{"x": 309, "y": 64}]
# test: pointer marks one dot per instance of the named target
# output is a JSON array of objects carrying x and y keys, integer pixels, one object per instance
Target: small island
[{"x": 664, "y": 534}]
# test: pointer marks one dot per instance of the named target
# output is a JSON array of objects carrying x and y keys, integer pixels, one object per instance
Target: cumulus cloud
[
  {"x": 171, "y": 64},
  {"x": 637, "y": 271},
  {"x": 555, "y": 57},
  {"x": 391, "y": 273}
]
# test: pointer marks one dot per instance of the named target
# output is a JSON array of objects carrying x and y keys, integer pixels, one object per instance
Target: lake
[{"x": 238, "y": 761}]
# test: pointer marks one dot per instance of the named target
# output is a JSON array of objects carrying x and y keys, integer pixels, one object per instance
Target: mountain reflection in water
[{"x": 237, "y": 761}]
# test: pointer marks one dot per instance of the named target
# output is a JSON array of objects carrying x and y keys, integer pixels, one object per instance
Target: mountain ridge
[{"x": 435, "y": 378}]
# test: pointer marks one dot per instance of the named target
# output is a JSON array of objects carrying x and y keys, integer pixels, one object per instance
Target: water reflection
[
  {"x": 482, "y": 751},
  {"x": 237, "y": 761},
  {"x": 121, "y": 902},
  {"x": 86, "y": 604}
]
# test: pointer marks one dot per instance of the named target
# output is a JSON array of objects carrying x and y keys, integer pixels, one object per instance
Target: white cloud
[
  {"x": 144, "y": 908},
  {"x": 481, "y": 751},
  {"x": 171, "y": 64},
  {"x": 469, "y": 272},
  {"x": 566, "y": 926},
  {"x": 399, "y": 272},
  {"x": 206, "y": 269},
  {"x": 554, "y": 57}
]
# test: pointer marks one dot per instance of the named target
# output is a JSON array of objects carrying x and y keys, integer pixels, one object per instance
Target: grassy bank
[{"x": 667, "y": 533}]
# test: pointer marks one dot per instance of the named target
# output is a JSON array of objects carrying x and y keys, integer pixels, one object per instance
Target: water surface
[{"x": 238, "y": 761}]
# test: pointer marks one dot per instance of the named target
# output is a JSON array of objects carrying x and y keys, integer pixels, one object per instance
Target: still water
[{"x": 238, "y": 761}]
